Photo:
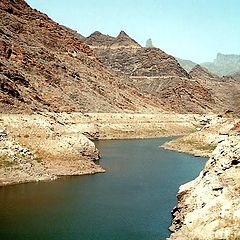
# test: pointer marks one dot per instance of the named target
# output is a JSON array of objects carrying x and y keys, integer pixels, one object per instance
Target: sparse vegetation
[
  {"x": 200, "y": 145},
  {"x": 5, "y": 161},
  {"x": 38, "y": 159},
  {"x": 207, "y": 147}
]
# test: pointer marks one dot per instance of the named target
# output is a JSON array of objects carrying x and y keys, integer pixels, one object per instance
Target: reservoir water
[{"x": 131, "y": 201}]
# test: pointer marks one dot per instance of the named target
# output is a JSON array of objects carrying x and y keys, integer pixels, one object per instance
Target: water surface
[{"x": 131, "y": 201}]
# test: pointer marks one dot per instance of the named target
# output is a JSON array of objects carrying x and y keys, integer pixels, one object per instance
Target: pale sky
[{"x": 190, "y": 29}]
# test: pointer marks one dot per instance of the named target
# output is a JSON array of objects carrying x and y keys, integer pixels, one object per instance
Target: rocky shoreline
[
  {"x": 208, "y": 207},
  {"x": 46, "y": 146}
]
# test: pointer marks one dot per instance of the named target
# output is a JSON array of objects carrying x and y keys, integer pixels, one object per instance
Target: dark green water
[{"x": 133, "y": 200}]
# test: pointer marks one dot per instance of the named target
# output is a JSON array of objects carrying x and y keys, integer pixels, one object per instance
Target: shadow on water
[{"x": 132, "y": 200}]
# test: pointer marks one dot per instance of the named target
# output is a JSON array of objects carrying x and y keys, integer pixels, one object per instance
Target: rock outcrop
[
  {"x": 149, "y": 43},
  {"x": 224, "y": 64},
  {"x": 42, "y": 147},
  {"x": 208, "y": 207}
]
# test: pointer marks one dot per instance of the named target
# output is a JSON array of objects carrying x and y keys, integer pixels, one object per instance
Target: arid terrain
[
  {"x": 49, "y": 145},
  {"x": 55, "y": 99}
]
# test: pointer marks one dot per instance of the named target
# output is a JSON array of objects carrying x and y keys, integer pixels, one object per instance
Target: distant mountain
[
  {"x": 186, "y": 64},
  {"x": 224, "y": 64},
  {"x": 199, "y": 71}
]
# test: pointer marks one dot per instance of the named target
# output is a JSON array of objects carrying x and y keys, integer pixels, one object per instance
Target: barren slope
[{"x": 45, "y": 66}]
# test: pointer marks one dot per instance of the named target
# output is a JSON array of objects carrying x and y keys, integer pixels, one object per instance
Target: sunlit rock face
[{"x": 208, "y": 207}]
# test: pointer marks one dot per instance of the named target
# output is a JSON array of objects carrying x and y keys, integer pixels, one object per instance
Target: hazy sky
[{"x": 190, "y": 29}]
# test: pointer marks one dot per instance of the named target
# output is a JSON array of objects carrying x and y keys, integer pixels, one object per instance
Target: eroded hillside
[{"x": 45, "y": 66}]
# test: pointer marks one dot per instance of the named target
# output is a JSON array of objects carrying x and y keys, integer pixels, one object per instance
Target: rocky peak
[
  {"x": 149, "y": 43},
  {"x": 123, "y": 40},
  {"x": 99, "y": 39},
  {"x": 200, "y": 72}
]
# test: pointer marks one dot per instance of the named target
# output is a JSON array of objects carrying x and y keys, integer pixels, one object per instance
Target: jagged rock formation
[
  {"x": 149, "y": 43},
  {"x": 154, "y": 72},
  {"x": 224, "y": 64},
  {"x": 208, "y": 207},
  {"x": 100, "y": 40},
  {"x": 125, "y": 55},
  {"x": 45, "y": 66}
]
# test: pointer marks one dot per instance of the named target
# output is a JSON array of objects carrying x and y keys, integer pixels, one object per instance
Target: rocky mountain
[
  {"x": 99, "y": 73},
  {"x": 200, "y": 72},
  {"x": 224, "y": 64},
  {"x": 154, "y": 72},
  {"x": 100, "y": 40},
  {"x": 188, "y": 65},
  {"x": 45, "y": 66},
  {"x": 125, "y": 55},
  {"x": 225, "y": 90}
]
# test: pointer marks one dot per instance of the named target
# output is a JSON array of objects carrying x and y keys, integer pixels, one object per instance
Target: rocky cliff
[
  {"x": 224, "y": 64},
  {"x": 208, "y": 207}
]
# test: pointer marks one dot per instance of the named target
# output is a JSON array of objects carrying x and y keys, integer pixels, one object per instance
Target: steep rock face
[
  {"x": 45, "y": 66},
  {"x": 208, "y": 207},
  {"x": 224, "y": 64}
]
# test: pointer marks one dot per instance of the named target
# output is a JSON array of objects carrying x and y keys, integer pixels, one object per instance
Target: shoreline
[
  {"x": 46, "y": 146},
  {"x": 40, "y": 145}
]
